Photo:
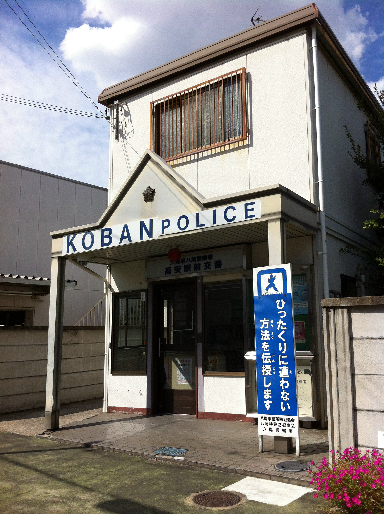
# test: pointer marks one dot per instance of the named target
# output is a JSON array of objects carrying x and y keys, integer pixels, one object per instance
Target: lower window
[
  {"x": 12, "y": 318},
  {"x": 223, "y": 327},
  {"x": 129, "y": 334}
]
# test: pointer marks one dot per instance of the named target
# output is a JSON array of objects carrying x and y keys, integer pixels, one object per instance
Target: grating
[{"x": 172, "y": 452}]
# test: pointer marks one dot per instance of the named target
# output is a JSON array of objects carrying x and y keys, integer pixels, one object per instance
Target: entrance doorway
[{"x": 175, "y": 359}]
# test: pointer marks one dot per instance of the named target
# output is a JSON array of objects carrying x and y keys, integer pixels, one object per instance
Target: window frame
[
  {"x": 193, "y": 92},
  {"x": 116, "y": 297}
]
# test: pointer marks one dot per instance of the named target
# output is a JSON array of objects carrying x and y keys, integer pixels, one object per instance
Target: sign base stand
[
  {"x": 282, "y": 444},
  {"x": 279, "y": 448}
]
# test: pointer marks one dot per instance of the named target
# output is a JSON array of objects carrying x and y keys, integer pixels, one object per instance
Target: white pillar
[
  {"x": 55, "y": 337},
  {"x": 276, "y": 242},
  {"x": 277, "y": 255}
]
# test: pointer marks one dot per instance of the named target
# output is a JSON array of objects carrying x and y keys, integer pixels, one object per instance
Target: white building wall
[
  {"x": 224, "y": 395},
  {"x": 128, "y": 276},
  {"x": 346, "y": 200},
  {"x": 129, "y": 392},
  {"x": 278, "y": 147}
]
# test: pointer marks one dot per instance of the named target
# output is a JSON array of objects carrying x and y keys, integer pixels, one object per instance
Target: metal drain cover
[
  {"x": 293, "y": 465},
  {"x": 217, "y": 499},
  {"x": 170, "y": 451}
]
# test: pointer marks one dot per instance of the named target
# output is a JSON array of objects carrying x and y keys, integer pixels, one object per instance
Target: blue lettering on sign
[
  {"x": 92, "y": 240},
  {"x": 70, "y": 243},
  {"x": 148, "y": 231},
  {"x": 225, "y": 213},
  {"x": 106, "y": 237},
  {"x": 214, "y": 217},
  {"x": 125, "y": 234},
  {"x": 198, "y": 224},
  {"x": 248, "y": 210},
  {"x": 165, "y": 224},
  {"x": 185, "y": 217}
]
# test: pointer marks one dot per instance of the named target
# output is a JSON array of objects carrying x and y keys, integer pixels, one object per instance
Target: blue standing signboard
[{"x": 275, "y": 352}]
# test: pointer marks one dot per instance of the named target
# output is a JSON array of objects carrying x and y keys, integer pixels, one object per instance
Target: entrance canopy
[{"x": 156, "y": 209}]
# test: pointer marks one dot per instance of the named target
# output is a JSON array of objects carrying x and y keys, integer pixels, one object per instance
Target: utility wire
[
  {"x": 62, "y": 66},
  {"x": 42, "y": 105}
]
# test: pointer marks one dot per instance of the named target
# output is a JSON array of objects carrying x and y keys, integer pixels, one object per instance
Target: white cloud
[
  {"x": 358, "y": 34},
  {"x": 100, "y": 49},
  {"x": 105, "y": 11},
  {"x": 351, "y": 27}
]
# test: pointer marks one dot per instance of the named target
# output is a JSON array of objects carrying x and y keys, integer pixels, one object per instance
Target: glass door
[{"x": 176, "y": 348}]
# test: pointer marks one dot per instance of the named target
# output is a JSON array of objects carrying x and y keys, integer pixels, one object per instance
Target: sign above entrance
[
  {"x": 218, "y": 259},
  {"x": 153, "y": 228},
  {"x": 275, "y": 351}
]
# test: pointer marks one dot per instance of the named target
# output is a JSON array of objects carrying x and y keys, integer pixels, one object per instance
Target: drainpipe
[
  {"x": 320, "y": 164},
  {"x": 107, "y": 341}
]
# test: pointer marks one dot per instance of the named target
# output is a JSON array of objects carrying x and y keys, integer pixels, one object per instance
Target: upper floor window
[
  {"x": 372, "y": 144},
  {"x": 206, "y": 116}
]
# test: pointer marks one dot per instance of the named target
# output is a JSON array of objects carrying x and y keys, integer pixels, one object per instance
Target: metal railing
[{"x": 95, "y": 317}]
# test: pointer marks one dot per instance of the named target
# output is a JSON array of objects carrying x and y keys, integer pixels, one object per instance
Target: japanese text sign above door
[{"x": 275, "y": 351}]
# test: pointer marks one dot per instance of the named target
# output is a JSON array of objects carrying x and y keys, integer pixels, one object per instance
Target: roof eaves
[{"x": 216, "y": 50}]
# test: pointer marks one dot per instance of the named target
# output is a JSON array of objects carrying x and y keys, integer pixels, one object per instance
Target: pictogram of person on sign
[{"x": 271, "y": 283}]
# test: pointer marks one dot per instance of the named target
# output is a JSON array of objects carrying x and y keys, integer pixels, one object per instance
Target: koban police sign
[
  {"x": 275, "y": 352},
  {"x": 154, "y": 228}
]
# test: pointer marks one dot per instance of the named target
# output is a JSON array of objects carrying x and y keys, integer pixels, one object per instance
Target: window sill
[
  {"x": 224, "y": 373},
  {"x": 128, "y": 373}
]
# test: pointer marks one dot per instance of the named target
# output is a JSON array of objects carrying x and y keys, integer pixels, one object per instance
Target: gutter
[{"x": 320, "y": 163}]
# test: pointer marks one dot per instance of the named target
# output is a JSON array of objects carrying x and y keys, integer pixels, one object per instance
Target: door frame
[{"x": 153, "y": 310}]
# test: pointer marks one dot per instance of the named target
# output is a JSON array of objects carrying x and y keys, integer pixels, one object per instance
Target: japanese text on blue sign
[{"x": 275, "y": 352}]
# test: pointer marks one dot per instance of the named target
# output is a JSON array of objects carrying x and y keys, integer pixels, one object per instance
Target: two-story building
[{"x": 232, "y": 157}]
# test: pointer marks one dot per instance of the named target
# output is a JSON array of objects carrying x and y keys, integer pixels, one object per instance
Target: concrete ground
[{"x": 69, "y": 470}]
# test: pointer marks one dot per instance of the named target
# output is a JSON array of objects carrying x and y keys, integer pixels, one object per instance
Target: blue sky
[{"x": 105, "y": 41}]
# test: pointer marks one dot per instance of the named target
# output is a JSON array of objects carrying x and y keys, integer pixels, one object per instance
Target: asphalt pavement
[
  {"x": 109, "y": 462},
  {"x": 46, "y": 476}
]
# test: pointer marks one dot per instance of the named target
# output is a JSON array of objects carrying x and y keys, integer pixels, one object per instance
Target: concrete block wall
[
  {"x": 354, "y": 349},
  {"x": 23, "y": 366}
]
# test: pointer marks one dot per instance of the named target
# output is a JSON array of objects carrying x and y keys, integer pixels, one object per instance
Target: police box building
[{"x": 228, "y": 159}]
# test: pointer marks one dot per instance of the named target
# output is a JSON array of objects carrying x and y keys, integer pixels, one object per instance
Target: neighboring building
[
  {"x": 248, "y": 166},
  {"x": 33, "y": 204}
]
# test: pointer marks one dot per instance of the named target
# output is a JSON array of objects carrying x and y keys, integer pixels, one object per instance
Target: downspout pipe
[{"x": 320, "y": 163}]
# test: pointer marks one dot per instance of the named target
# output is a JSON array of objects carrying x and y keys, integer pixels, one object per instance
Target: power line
[
  {"x": 62, "y": 66},
  {"x": 49, "y": 107}
]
